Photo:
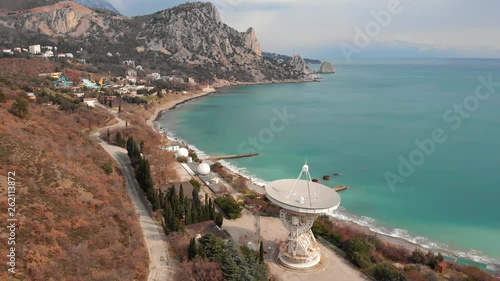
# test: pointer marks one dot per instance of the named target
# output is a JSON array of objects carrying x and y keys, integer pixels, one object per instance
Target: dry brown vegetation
[
  {"x": 161, "y": 162},
  {"x": 74, "y": 221},
  {"x": 196, "y": 269}
]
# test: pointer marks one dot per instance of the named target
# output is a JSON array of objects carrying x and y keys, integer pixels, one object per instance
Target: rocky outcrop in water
[{"x": 327, "y": 67}]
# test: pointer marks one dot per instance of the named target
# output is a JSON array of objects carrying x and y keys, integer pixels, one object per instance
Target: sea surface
[{"x": 364, "y": 122}]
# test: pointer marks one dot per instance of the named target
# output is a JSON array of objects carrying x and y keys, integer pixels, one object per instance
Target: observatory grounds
[{"x": 331, "y": 267}]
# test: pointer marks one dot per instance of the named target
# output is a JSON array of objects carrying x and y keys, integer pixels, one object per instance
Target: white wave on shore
[
  {"x": 423, "y": 242},
  {"x": 342, "y": 214}
]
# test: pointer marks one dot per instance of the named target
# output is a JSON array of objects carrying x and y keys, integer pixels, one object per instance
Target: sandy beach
[{"x": 173, "y": 103}]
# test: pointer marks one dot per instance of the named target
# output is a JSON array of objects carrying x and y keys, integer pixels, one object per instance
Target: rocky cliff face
[
  {"x": 190, "y": 38},
  {"x": 327, "y": 67},
  {"x": 299, "y": 64},
  {"x": 194, "y": 32}
]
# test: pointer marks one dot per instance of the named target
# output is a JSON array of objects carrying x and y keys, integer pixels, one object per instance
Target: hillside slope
[{"x": 75, "y": 221}]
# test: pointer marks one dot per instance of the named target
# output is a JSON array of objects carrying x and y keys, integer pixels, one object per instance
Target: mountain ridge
[{"x": 189, "y": 38}]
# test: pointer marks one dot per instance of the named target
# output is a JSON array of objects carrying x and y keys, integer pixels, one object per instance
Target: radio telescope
[{"x": 301, "y": 202}]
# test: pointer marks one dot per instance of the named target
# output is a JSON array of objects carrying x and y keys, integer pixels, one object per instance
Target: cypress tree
[
  {"x": 196, "y": 199},
  {"x": 219, "y": 219},
  {"x": 162, "y": 199},
  {"x": 194, "y": 214},
  {"x": 188, "y": 217},
  {"x": 181, "y": 196},
  {"x": 211, "y": 209},
  {"x": 156, "y": 200},
  {"x": 192, "y": 250},
  {"x": 167, "y": 216}
]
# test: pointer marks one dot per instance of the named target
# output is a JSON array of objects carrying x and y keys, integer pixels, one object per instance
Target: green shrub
[
  {"x": 229, "y": 206},
  {"x": 359, "y": 250},
  {"x": 107, "y": 168},
  {"x": 196, "y": 184},
  {"x": 386, "y": 272}
]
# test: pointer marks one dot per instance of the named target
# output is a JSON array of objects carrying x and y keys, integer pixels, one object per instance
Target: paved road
[{"x": 160, "y": 266}]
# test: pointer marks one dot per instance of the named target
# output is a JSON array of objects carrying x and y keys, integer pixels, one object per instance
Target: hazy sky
[{"x": 341, "y": 28}]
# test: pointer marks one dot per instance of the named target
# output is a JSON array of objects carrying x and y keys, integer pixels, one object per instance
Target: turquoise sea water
[{"x": 359, "y": 122}]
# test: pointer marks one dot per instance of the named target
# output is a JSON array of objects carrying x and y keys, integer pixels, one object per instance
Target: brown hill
[{"x": 75, "y": 221}]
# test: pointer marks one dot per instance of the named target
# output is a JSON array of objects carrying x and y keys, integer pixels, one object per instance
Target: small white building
[
  {"x": 79, "y": 95},
  {"x": 90, "y": 102},
  {"x": 35, "y": 49},
  {"x": 48, "y": 54},
  {"x": 155, "y": 76},
  {"x": 7, "y": 51},
  {"x": 69, "y": 55},
  {"x": 61, "y": 55}
]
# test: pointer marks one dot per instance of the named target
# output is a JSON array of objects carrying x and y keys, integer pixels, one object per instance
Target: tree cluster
[
  {"x": 373, "y": 256},
  {"x": 142, "y": 173},
  {"x": 361, "y": 250},
  {"x": 229, "y": 206},
  {"x": 238, "y": 264},
  {"x": 20, "y": 107},
  {"x": 134, "y": 100},
  {"x": 429, "y": 259},
  {"x": 177, "y": 207}
]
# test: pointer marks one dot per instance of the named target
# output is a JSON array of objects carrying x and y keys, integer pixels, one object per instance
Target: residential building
[
  {"x": 90, "y": 102},
  {"x": 35, "y": 49}
]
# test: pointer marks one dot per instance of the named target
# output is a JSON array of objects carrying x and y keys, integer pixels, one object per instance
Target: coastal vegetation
[
  {"x": 237, "y": 263},
  {"x": 385, "y": 261},
  {"x": 176, "y": 206},
  {"x": 229, "y": 206}
]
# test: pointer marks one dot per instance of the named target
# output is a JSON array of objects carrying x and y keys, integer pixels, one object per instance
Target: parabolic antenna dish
[{"x": 303, "y": 196}]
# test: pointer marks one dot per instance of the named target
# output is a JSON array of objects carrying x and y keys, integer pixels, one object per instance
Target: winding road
[{"x": 160, "y": 266}]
